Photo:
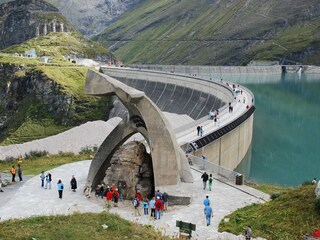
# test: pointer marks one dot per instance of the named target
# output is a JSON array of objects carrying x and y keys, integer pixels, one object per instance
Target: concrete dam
[{"x": 225, "y": 143}]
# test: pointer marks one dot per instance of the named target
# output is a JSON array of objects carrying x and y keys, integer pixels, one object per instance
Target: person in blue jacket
[{"x": 60, "y": 188}]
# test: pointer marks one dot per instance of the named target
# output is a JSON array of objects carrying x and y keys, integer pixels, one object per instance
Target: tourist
[
  {"x": 208, "y": 213},
  {"x": 314, "y": 181},
  {"x": 158, "y": 206},
  {"x": 206, "y": 201},
  {"x": 145, "y": 206},
  {"x": 13, "y": 173},
  {"x": 1, "y": 183},
  {"x": 248, "y": 232},
  {"x": 204, "y": 179},
  {"x": 20, "y": 172},
  {"x": 165, "y": 198},
  {"x": 115, "y": 197},
  {"x": 120, "y": 191},
  {"x": 158, "y": 194},
  {"x": 198, "y": 130},
  {"x": 109, "y": 195},
  {"x": 73, "y": 183},
  {"x": 136, "y": 203},
  {"x": 60, "y": 188},
  {"x": 152, "y": 207},
  {"x": 138, "y": 195},
  {"x": 42, "y": 177},
  {"x": 101, "y": 191},
  {"x": 48, "y": 181},
  {"x": 201, "y": 131},
  {"x": 210, "y": 182}
]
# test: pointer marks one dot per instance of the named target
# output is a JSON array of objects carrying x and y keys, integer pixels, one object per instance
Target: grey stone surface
[{"x": 30, "y": 199}]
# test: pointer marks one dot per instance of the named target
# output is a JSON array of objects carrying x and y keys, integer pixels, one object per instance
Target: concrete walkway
[{"x": 30, "y": 199}]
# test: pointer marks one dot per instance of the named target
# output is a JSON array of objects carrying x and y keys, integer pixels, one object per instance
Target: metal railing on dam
[{"x": 207, "y": 139}]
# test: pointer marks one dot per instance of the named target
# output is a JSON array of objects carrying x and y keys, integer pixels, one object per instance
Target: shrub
[
  {"x": 89, "y": 150},
  {"x": 9, "y": 159},
  {"x": 35, "y": 154},
  {"x": 66, "y": 154},
  {"x": 275, "y": 195}
]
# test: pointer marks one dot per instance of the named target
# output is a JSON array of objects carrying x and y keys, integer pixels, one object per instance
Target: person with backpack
[
  {"x": 60, "y": 188},
  {"x": 152, "y": 207},
  {"x": 145, "y": 206},
  {"x": 158, "y": 207},
  {"x": 136, "y": 204},
  {"x": 210, "y": 182},
  {"x": 165, "y": 198}
]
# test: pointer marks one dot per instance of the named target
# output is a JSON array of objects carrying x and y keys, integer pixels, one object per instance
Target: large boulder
[{"x": 133, "y": 165}]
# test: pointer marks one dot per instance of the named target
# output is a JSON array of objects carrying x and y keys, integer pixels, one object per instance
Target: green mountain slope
[
  {"x": 41, "y": 99},
  {"x": 223, "y": 32}
]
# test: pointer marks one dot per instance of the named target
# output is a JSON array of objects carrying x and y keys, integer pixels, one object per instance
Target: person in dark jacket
[
  {"x": 73, "y": 183},
  {"x": 205, "y": 178}
]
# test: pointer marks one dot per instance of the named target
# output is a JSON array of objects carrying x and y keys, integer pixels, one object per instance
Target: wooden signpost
[{"x": 185, "y": 227}]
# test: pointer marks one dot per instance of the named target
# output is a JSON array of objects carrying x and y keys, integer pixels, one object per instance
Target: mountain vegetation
[
  {"x": 292, "y": 213},
  {"x": 210, "y": 32},
  {"x": 40, "y": 99}
]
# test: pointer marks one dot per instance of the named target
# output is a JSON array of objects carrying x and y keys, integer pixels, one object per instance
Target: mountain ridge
[{"x": 216, "y": 32}]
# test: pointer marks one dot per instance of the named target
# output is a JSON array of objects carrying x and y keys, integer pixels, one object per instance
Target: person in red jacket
[
  {"x": 109, "y": 198},
  {"x": 116, "y": 197},
  {"x": 138, "y": 195},
  {"x": 316, "y": 233},
  {"x": 158, "y": 206}
]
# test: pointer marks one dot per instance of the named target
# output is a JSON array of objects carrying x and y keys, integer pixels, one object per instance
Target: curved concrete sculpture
[{"x": 170, "y": 167}]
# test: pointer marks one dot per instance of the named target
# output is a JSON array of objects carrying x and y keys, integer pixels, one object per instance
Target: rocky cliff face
[
  {"x": 91, "y": 17},
  {"x": 133, "y": 165},
  {"x": 21, "y": 20},
  {"x": 19, "y": 84}
]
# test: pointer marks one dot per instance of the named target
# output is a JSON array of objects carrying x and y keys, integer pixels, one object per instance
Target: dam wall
[
  {"x": 233, "y": 141},
  {"x": 214, "y": 71},
  {"x": 229, "y": 150}
]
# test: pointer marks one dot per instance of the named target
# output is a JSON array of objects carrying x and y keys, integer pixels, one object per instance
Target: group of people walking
[
  {"x": 46, "y": 180},
  {"x": 205, "y": 178}
]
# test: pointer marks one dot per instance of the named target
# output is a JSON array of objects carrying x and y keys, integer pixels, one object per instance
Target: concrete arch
[{"x": 170, "y": 166}]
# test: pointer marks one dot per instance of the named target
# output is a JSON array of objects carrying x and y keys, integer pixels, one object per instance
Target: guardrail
[{"x": 222, "y": 173}]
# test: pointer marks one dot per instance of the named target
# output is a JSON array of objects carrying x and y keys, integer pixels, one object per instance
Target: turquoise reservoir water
[{"x": 286, "y": 138}]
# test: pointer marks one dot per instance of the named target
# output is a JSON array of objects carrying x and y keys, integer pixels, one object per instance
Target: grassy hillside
[
  {"x": 216, "y": 32},
  {"x": 77, "y": 226},
  {"x": 289, "y": 216},
  {"x": 47, "y": 112}
]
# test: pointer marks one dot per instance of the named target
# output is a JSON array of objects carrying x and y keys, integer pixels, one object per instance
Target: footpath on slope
[{"x": 30, "y": 199}]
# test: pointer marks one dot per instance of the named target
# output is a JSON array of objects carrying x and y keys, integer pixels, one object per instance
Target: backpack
[{"x": 136, "y": 202}]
